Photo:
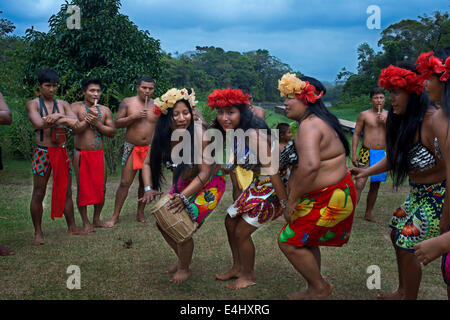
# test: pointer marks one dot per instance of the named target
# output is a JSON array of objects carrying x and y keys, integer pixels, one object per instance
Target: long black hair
[
  {"x": 401, "y": 130},
  {"x": 319, "y": 110},
  {"x": 445, "y": 99},
  {"x": 161, "y": 149}
]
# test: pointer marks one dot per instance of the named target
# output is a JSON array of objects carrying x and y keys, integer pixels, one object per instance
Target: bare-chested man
[
  {"x": 47, "y": 116},
  {"x": 136, "y": 114},
  {"x": 372, "y": 123},
  {"x": 96, "y": 121},
  {"x": 5, "y": 119}
]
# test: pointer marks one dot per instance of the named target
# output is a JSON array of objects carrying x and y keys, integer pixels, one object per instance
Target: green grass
[{"x": 110, "y": 270}]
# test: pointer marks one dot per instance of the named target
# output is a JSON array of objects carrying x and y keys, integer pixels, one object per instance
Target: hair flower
[
  {"x": 399, "y": 78},
  {"x": 427, "y": 64},
  {"x": 292, "y": 87},
  {"x": 170, "y": 98},
  {"x": 221, "y": 98}
]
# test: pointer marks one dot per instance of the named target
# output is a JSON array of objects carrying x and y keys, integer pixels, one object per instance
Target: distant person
[
  {"x": 285, "y": 134},
  {"x": 50, "y": 119},
  {"x": 137, "y": 115},
  {"x": 5, "y": 119},
  {"x": 96, "y": 121},
  {"x": 372, "y": 123}
]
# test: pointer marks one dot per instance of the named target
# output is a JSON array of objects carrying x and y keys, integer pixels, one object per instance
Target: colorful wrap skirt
[
  {"x": 207, "y": 199},
  {"x": 323, "y": 217},
  {"x": 417, "y": 219},
  {"x": 258, "y": 204}
]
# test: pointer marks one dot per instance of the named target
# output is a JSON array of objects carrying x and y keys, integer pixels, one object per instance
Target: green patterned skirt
[{"x": 417, "y": 219}]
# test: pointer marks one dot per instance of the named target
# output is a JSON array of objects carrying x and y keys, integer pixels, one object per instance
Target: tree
[
  {"x": 6, "y": 26},
  {"x": 108, "y": 46}
]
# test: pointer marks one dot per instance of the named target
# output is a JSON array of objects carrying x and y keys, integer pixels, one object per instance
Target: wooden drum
[{"x": 178, "y": 226}]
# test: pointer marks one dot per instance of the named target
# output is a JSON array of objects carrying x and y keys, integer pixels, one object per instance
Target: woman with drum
[
  {"x": 264, "y": 199},
  {"x": 198, "y": 185}
]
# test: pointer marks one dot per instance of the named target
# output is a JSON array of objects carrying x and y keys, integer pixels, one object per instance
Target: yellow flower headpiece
[
  {"x": 171, "y": 97},
  {"x": 292, "y": 87}
]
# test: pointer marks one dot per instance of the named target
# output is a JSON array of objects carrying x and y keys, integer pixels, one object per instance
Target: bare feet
[
  {"x": 100, "y": 224},
  {"x": 6, "y": 252},
  {"x": 370, "y": 219},
  {"x": 75, "y": 231},
  {"x": 172, "y": 269},
  {"x": 88, "y": 228},
  {"x": 397, "y": 295},
  {"x": 38, "y": 239},
  {"x": 230, "y": 274},
  {"x": 180, "y": 276},
  {"x": 141, "y": 218},
  {"x": 311, "y": 294},
  {"x": 111, "y": 222},
  {"x": 241, "y": 283}
]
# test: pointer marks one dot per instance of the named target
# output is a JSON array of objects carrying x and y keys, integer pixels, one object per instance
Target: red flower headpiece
[
  {"x": 399, "y": 78},
  {"x": 308, "y": 94},
  {"x": 427, "y": 64},
  {"x": 221, "y": 98}
]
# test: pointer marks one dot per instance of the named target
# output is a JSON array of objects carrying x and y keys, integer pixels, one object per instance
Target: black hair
[
  {"x": 283, "y": 127},
  {"x": 145, "y": 79},
  {"x": 91, "y": 80},
  {"x": 445, "y": 99},
  {"x": 161, "y": 149},
  {"x": 401, "y": 130},
  {"x": 319, "y": 110},
  {"x": 48, "y": 75},
  {"x": 376, "y": 90}
]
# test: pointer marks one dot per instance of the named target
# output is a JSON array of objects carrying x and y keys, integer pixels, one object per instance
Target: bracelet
[
  {"x": 187, "y": 206},
  {"x": 184, "y": 199},
  {"x": 284, "y": 203},
  {"x": 148, "y": 188}
]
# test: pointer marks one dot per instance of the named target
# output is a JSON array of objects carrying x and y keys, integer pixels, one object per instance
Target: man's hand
[
  {"x": 51, "y": 118},
  {"x": 140, "y": 115}
]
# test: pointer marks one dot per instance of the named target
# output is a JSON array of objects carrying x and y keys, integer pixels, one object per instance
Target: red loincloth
[
  {"x": 139, "y": 153},
  {"x": 92, "y": 168},
  {"x": 59, "y": 161}
]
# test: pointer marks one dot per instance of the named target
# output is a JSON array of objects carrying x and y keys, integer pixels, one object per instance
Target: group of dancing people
[{"x": 307, "y": 183}]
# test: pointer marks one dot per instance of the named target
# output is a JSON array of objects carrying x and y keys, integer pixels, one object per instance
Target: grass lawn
[{"x": 110, "y": 269}]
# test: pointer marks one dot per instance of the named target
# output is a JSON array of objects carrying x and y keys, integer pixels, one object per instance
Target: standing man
[
  {"x": 372, "y": 123},
  {"x": 5, "y": 119},
  {"x": 96, "y": 121},
  {"x": 137, "y": 116},
  {"x": 50, "y": 119}
]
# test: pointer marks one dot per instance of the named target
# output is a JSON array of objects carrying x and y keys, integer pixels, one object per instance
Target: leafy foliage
[
  {"x": 209, "y": 68},
  {"x": 108, "y": 46}
]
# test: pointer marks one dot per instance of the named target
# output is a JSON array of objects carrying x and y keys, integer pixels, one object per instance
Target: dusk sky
[{"x": 316, "y": 37}]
